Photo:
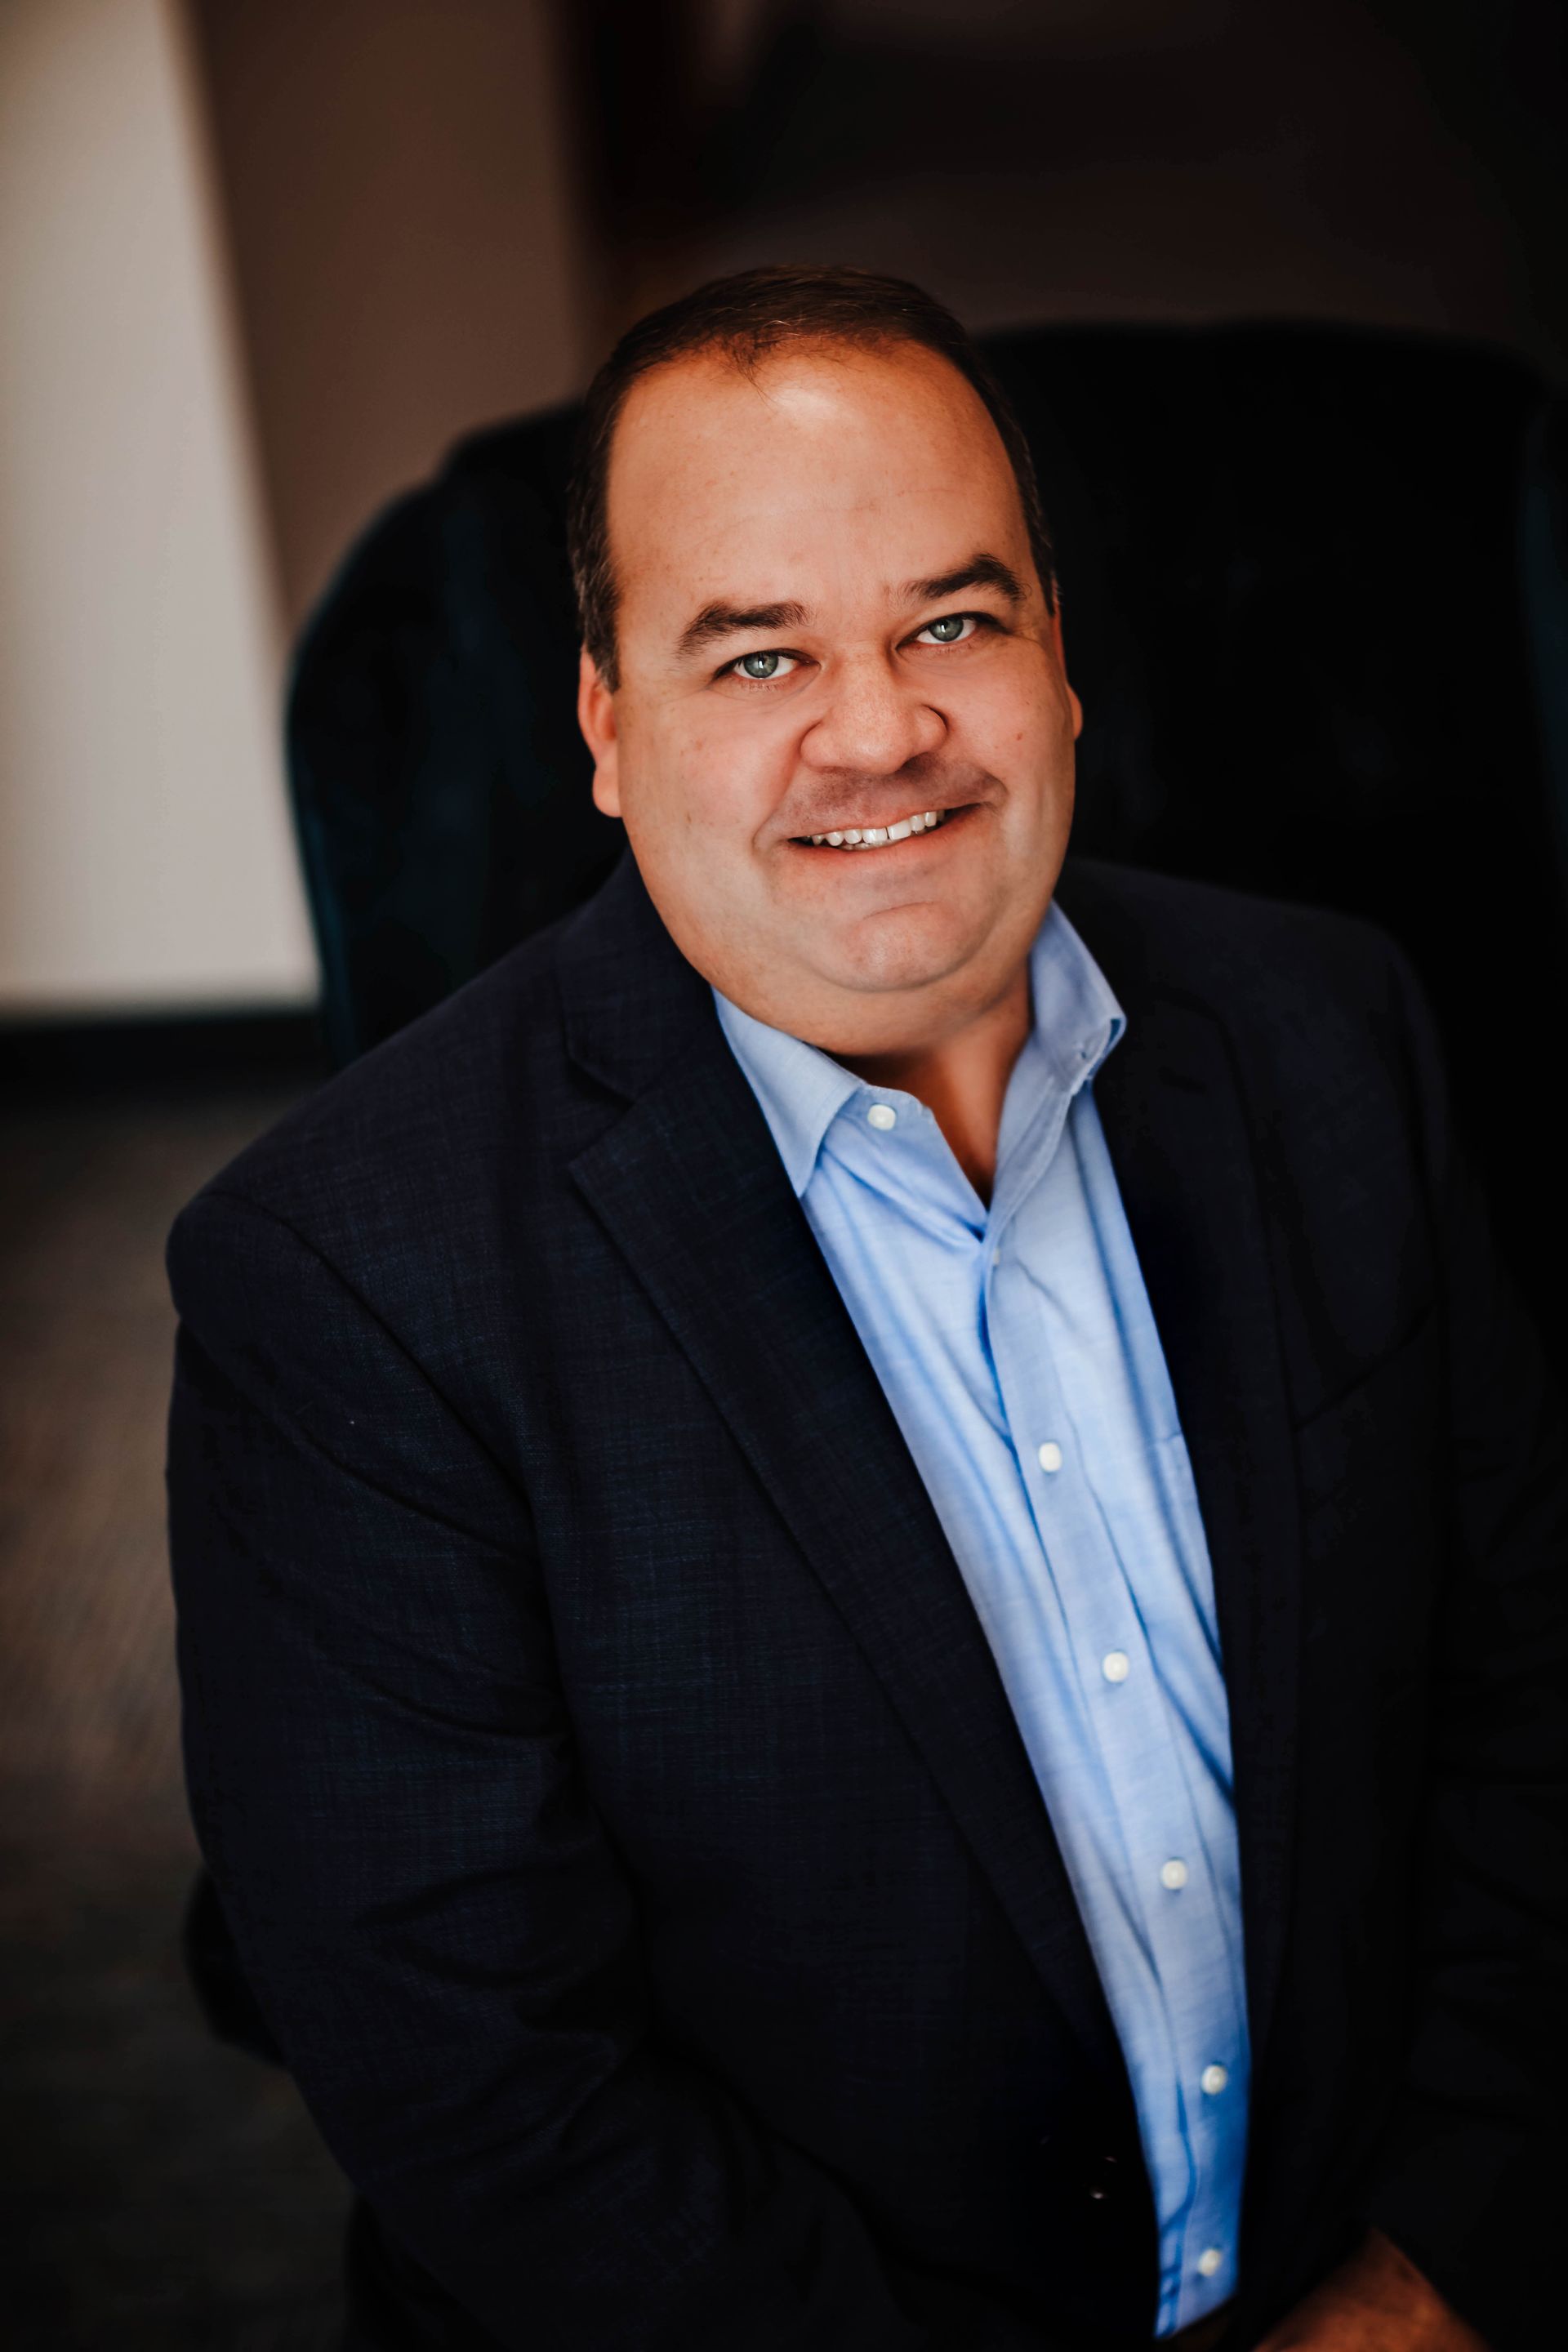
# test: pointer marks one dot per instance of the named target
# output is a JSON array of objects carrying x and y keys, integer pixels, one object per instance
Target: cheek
[
  {"x": 1018, "y": 721},
  {"x": 725, "y": 773},
  {"x": 668, "y": 767}
]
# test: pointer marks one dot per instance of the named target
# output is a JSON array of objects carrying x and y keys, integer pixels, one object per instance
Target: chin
[{"x": 906, "y": 947}]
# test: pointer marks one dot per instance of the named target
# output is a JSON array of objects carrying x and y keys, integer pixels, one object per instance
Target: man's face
[{"x": 829, "y": 622}]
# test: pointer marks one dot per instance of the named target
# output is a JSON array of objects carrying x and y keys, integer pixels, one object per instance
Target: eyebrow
[
  {"x": 721, "y": 620},
  {"x": 982, "y": 570},
  {"x": 731, "y": 620}
]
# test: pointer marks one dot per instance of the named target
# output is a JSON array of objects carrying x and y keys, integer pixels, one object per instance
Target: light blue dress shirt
[{"x": 1017, "y": 1350}]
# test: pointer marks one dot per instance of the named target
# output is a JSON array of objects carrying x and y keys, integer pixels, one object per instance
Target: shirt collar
[{"x": 802, "y": 1090}]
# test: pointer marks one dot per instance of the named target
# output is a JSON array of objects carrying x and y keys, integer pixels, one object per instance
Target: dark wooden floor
[{"x": 156, "y": 2190}]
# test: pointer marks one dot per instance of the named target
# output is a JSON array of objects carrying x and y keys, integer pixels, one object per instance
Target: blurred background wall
[
  {"x": 407, "y": 239},
  {"x": 144, "y": 851},
  {"x": 261, "y": 261}
]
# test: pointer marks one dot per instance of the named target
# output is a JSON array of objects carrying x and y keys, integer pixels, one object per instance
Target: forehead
[{"x": 822, "y": 455}]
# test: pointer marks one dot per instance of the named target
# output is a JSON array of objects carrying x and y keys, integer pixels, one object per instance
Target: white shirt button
[
  {"x": 1173, "y": 1874},
  {"x": 1210, "y": 2261},
  {"x": 1213, "y": 2080},
  {"x": 1050, "y": 1457},
  {"x": 1116, "y": 1666},
  {"x": 882, "y": 1116}
]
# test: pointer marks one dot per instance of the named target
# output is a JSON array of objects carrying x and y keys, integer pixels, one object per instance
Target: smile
[{"x": 876, "y": 837}]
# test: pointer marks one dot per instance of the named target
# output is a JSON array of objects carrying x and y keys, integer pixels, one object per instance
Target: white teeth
[{"x": 874, "y": 836}]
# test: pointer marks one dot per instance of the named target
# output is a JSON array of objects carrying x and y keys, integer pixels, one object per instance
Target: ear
[
  {"x": 1074, "y": 704},
  {"x": 596, "y": 717}
]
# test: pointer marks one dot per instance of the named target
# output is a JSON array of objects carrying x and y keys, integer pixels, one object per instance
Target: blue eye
[
  {"x": 759, "y": 664},
  {"x": 949, "y": 631}
]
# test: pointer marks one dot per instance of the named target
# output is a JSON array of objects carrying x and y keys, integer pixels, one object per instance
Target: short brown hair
[{"x": 746, "y": 317}]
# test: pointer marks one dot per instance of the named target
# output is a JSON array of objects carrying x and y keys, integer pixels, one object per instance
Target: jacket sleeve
[
  {"x": 435, "y": 1924},
  {"x": 1470, "y": 2179}
]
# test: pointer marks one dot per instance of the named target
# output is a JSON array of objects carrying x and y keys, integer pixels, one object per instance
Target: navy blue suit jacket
[{"x": 608, "y": 1786}]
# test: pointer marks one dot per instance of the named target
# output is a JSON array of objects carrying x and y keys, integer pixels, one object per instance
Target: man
[{"x": 869, "y": 1564}]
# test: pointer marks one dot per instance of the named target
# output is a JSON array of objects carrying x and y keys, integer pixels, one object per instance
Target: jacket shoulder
[
  {"x": 1257, "y": 963},
  {"x": 416, "y": 1118}
]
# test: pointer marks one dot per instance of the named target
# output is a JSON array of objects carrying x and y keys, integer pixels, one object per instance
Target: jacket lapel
[
  {"x": 688, "y": 1185},
  {"x": 1173, "y": 1113}
]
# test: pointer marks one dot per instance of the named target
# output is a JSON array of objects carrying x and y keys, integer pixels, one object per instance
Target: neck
[{"x": 963, "y": 1078}]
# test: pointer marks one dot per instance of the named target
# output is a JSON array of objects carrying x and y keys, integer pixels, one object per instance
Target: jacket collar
[{"x": 690, "y": 1188}]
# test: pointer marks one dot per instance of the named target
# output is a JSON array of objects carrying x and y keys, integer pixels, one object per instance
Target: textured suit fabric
[{"x": 609, "y": 1787}]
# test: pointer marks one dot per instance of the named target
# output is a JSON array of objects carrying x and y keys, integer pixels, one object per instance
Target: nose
[{"x": 875, "y": 723}]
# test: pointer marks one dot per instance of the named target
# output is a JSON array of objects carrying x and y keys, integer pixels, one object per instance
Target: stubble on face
[{"x": 796, "y": 511}]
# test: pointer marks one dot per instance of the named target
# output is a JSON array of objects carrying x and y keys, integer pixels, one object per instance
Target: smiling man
[
  {"x": 823, "y": 683},
  {"x": 870, "y": 1566}
]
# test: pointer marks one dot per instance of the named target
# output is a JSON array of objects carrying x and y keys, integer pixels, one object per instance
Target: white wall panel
[{"x": 145, "y": 853}]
